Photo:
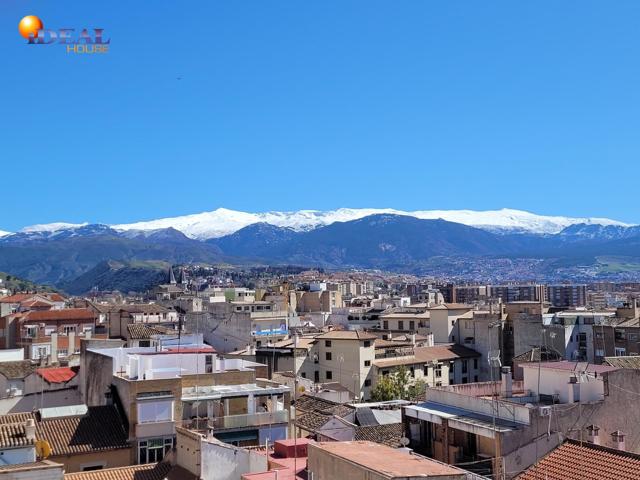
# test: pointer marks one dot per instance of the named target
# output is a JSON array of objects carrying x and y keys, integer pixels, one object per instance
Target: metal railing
[{"x": 248, "y": 420}]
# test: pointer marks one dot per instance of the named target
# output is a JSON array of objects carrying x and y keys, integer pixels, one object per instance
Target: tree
[
  {"x": 393, "y": 386},
  {"x": 417, "y": 391},
  {"x": 384, "y": 389}
]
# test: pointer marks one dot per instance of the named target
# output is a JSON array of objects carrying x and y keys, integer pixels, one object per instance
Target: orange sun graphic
[{"x": 30, "y": 25}]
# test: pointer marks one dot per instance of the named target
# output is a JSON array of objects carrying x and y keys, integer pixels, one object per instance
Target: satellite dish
[{"x": 404, "y": 441}]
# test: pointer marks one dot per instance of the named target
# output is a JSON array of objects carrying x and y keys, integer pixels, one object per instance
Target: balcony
[{"x": 248, "y": 420}]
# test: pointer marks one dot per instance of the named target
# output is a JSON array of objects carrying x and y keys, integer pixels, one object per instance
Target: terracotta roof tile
[
  {"x": 17, "y": 369},
  {"x": 100, "y": 429},
  {"x": 13, "y": 435},
  {"x": 152, "y": 471},
  {"x": 388, "y": 434},
  {"x": 56, "y": 375},
  {"x": 572, "y": 461},
  {"x": 63, "y": 314}
]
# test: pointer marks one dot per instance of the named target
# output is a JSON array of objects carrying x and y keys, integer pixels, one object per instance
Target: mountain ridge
[{"x": 222, "y": 222}]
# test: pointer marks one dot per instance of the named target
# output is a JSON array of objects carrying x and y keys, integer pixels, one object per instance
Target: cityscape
[{"x": 328, "y": 240}]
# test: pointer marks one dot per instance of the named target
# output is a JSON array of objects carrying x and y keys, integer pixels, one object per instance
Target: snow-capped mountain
[{"x": 221, "y": 222}]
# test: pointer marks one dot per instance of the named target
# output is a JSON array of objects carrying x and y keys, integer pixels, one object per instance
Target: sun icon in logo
[{"x": 30, "y": 25}]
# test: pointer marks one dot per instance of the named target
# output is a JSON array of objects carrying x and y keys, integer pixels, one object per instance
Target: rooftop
[
  {"x": 570, "y": 366},
  {"x": 151, "y": 471},
  {"x": 584, "y": 461},
  {"x": 347, "y": 335},
  {"x": 428, "y": 354},
  {"x": 391, "y": 463},
  {"x": 631, "y": 361}
]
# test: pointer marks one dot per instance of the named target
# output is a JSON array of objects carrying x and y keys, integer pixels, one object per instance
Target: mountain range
[{"x": 79, "y": 257}]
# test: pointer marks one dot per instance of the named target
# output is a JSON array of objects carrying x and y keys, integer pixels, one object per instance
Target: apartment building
[
  {"x": 232, "y": 326},
  {"x": 51, "y": 333},
  {"x": 120, "y": 316},
  {"x": 495, "y": 426},
  {"x": 567, "y": 296},
  {"x": 191, "y": 386},
  {"x": 436, "y": 365}
]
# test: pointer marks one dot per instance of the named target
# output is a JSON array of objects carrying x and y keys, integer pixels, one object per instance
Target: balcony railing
[{"x": 248, "y": 420}]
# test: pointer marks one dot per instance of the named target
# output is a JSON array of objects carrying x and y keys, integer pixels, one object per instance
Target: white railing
[{"x": 249, "y": 420}]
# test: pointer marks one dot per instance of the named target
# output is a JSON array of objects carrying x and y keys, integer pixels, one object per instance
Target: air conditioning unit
[{"x": 545, "y": 411}]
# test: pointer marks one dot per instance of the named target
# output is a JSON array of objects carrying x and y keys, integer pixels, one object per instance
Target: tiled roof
[
  {"x": 63, "y": 314},
  {"x": 312, "y": 412},
  {"x": 56, "y": 375},
  {"x": 13, "y": 435},
  {"x": 17, "y": 298},
  {"x": 100, "y": 429},
  {"x": 388, "y": 434},
  {"x": 17, "y": 369},
  {"x": 151, "y": 471},
  {"x": 141, "y": 331},
  {"x": 347, "y": 335},
  {"x": 428, "y": 354},
  {"x": 142, "y": 308},
  {"x": 575, "y": 461},
  {"x": 632, "y": 361}
]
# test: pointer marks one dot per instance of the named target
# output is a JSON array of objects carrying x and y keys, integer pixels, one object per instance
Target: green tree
[
  {"x": 417, "y": 391},
  {"x": 384, "y": 389},
  {"x": 395, "y": 386}
]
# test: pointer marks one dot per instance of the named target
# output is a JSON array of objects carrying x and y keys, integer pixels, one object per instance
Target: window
[
  {"x": 62, "y": 352},
  {"x": 385, "y": 373},
  {"x": 327, "y": 356},
  {"x": 412, "y": 325},
  {"x": 412, "y": 372},
  {"x": 620, "y": 352},
  {"x": 599, "y": 352},
  {"x": 400, "y": 325},
  {"x": 327, "y": 343},
  {"x": 329, "y": 375},
  {"x": 67, "y": 329},
  {"x": 438, "y": 370},
  {"x": 32, "y": 331},
  {"x": 303, "y": 375},
  {"x": 367, "y": 343},
  {"x": 464, "y": 380},
  {"x": 367, "y": 363},
  {"x": 465, "y": 366},
  {"x": 149, "y": 412},
  {"x": 154, "y": 449},
  {"x": 49, "y": 330},
  {"x": 475, "y": 378},
  {"x": 367, "y": 383},
  {"x": 385, "y": 324}
]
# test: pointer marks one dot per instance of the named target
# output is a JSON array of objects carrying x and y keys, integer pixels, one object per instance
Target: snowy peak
[{"x": 221, "y": 222}]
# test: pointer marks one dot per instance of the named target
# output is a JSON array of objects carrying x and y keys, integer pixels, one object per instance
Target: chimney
[
  {"x": 594, "y": 434},
  {"x": 71, "y": 349},
  {"x": 618, "y": 439},
  {"x": 413, "y": 339},
  {"x": 507, "y": 383},
  {"x": 430, "y": 341},
  {"x": 30, "y": 429},
  {"x": 54, "y": 348}
]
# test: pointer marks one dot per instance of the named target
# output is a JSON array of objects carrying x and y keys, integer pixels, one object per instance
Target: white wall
[
  {"x": 221, "y": 461},
  {"x": 557, "y": 382},
  {"x": 12, "y": 355}
]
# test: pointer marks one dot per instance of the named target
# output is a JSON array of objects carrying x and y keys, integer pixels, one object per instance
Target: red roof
[
  {"x": 63, "y": 314},
  {"x": 56, "y": 375},
  {"x": 17, "y": 298},
  {"x": 572, "y": 461}
]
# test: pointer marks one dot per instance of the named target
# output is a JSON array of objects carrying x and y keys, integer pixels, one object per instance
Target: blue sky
[{"x": 285, "y": 105}]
